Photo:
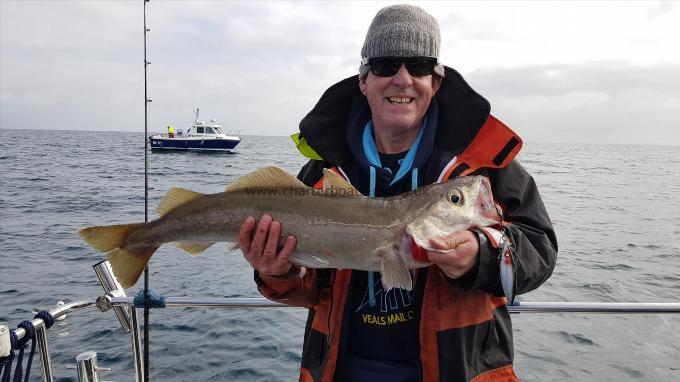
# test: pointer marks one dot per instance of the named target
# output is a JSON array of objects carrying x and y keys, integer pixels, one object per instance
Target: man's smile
[{"x": 400, "y": 100}]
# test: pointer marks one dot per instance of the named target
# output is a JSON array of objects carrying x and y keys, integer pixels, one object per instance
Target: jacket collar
[{"x": 462, "y": 112}]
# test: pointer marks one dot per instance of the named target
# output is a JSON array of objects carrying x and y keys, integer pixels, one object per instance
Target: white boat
[{"x": 200, "y": 136}]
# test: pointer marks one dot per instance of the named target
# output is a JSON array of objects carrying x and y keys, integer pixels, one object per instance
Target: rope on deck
[
  {"x": 20, "y": 344},
  {"x": 6, "y": 362}
]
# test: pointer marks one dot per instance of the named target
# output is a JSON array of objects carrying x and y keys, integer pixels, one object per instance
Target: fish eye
[{"x": 456, "y": 197}]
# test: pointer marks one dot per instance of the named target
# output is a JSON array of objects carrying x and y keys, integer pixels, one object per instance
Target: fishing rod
[{"x": 145, "y": 367}]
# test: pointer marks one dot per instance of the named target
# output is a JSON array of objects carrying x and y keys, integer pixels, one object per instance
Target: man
[{"x": 405, "y": 122}]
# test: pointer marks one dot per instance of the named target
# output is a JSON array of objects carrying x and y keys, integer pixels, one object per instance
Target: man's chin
[{"x": 401, "y": 124}]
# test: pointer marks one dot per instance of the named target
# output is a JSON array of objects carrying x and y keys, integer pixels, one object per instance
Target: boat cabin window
[
  {"x": 209, "y": 130},
  {"x": 199, "y": 130}
]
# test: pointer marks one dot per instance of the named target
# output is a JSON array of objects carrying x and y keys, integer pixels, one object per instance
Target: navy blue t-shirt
[
  {"x": 392, "y": 161},
  {"x": 387, "y": 331},
  {"x": 383, "y": 343}
]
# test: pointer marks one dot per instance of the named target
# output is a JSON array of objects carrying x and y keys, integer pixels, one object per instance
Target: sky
[{"x": 554, "y": 71}]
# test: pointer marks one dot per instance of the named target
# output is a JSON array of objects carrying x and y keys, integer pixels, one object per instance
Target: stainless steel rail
[
  {"x": 56, "y": 313},
  {"x": 595, "y": 307},
  {"x": 210, "y": 302},
  {"x": 518, "y": 307},
  {"x": 109, "y": 301},
  {"x": 41, "y": 334}
]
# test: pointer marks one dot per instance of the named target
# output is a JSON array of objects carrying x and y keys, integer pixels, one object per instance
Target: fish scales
[{"x": 218, "y": 217}]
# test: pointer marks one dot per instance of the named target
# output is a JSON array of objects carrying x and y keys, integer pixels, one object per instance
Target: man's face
[{"x": 398, "y": 103}]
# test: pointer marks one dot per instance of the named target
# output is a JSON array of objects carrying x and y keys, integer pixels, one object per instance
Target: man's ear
[
  {"x": 436, "y": 83},
  {"x": 362, "y": 85}
]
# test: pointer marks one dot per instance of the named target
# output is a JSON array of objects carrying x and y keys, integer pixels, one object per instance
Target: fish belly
[{"x": 342, "y": 246}]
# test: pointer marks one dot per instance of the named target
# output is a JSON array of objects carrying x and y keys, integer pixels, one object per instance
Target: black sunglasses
[{"x": 389, "y": 66}]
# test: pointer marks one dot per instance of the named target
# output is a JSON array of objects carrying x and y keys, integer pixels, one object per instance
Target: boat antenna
[{"x": 146, "y": 205}]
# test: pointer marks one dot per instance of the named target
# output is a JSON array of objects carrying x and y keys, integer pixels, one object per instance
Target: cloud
[
  {"x": 261, "y": 66},
  {"x": 659, "y": 8},
  {"x": 604, "y": 102}
]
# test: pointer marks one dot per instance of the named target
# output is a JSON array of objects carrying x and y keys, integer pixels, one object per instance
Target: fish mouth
[{"x": 485, "y": 204}]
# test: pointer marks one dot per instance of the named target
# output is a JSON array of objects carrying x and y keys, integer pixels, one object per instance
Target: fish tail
[
  {"x": 108, "y": 237},
  {"x": 127, "y": 264}
]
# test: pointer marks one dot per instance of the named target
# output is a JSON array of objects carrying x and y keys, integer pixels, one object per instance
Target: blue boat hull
[{"x": 193, "y": 144}]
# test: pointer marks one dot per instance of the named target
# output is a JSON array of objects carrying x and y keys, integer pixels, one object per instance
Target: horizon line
[{"x": 288, "y": 135}]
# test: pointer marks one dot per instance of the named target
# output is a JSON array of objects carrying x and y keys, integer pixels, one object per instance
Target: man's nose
[{"x": 402, "y": 78}]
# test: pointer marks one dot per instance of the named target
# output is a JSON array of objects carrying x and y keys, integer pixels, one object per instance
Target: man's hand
[
  {"x": 462, "y": 253},
  {"x": 260, "y": 248}
]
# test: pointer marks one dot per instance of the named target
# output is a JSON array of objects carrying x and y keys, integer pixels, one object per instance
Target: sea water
[{"x": 615, "y": 209}]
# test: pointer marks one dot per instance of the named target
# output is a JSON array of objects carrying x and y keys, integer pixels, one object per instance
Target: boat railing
[
  {"x": 166, "y": 135},
  {"x": 230, "y": 133},
  {"x": 125, "y": 308}
]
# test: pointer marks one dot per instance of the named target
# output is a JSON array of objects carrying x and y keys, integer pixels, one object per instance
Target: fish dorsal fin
[
  {"x": 266, "y": 177},
  {"x": 175, "y": 198},
  {"x": 337, "y": 185}
]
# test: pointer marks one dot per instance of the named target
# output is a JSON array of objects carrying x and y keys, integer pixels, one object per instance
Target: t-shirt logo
[{"x": 391, "y": 307}]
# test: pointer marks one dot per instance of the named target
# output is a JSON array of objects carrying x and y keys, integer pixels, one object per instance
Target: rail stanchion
[
  {"x": 44, "y": 350},
  {"x": 111, "y": 285},
  {"x": 87, "y": 367},
  {"x": 137, "y": 346}
]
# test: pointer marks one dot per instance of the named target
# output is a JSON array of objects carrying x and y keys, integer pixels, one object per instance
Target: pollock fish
[{"x": 335, "y": 227}]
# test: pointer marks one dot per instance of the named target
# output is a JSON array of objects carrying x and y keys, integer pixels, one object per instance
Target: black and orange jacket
[{"x": 465, "y": 328}]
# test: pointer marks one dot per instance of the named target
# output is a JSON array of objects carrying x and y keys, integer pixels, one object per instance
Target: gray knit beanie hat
[{"x": 401, "y": 31}]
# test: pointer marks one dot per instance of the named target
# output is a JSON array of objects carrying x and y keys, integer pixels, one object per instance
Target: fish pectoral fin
[
  {"x": 175, "y": 197},
  {"x": 266, "y": 177},
  {"x": 194, "y": 247},
  {"x": 337, "y": 185},
  {"x": 394, "y": 272}
]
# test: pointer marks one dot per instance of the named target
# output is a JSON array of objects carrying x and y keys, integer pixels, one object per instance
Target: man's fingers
[
  {"x": 288, "y": 247},
  {"x": 282, "y": 264},
  {"x": 259, "y": 242},
  {"x": 269, "y": 252},
  {"x": 445, "y": 243},
  {"x": 459, "y": 253},
  {"x": 257, "y": 245},
  {"x": 437, "y": 243},
  {"x": 442, "y": 258},
  {"x": 451, "y": 241},
  {"x": 245, "y": 234}
]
